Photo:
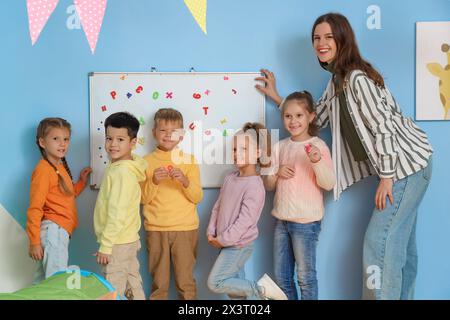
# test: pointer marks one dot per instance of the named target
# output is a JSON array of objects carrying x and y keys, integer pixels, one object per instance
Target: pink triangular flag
[
  {"x": 38, "y": 13},
  {"x": 91, "y": 14}
]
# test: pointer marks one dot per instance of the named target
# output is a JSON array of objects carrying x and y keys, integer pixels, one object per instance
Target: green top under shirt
[{"x": 348, "y": 130}]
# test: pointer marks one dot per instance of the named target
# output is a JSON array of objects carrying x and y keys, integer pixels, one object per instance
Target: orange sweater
[{"x": 48, "y": 202}]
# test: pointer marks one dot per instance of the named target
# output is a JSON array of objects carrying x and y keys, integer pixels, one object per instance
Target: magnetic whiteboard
[{"x": 213, "y": 105}]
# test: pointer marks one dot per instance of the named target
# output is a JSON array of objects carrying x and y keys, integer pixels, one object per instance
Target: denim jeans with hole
[
  {"x": 295, "y": 250},
  {"x": 55, "y": 241},
  {"x": 390, "y": 252}
]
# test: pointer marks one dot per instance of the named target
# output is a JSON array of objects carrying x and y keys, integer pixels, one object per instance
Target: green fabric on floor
[{"x": 56, "y": 287}]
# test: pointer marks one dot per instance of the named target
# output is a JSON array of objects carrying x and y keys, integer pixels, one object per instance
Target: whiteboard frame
[{"x": 193, "y": 73}]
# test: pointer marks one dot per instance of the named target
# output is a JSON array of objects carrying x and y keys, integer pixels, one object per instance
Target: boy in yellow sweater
[
  {"x": 170, "y": 195},
  {"x": 117, "y": 218}
]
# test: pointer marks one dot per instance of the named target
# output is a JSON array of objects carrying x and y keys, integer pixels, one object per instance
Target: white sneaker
[{"x": 270, "y": 289}]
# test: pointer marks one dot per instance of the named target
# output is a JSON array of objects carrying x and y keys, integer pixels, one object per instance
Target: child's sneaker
[{"x": 270, "y": 289}]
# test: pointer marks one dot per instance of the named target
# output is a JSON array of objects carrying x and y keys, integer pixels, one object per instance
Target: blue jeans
[
  {"x": 295, "y": 243},
  {"x": 55, "y": 241},
  {"x": 228, "y": 275},
  {"x": 390, "y": 252}
]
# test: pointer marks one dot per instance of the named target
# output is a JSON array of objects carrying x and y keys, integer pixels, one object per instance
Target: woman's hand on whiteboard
[
  {"x": 269, "y": 88},
  {"x": 286, "y": 172},
  {"x": 159, "y": 174},
  {"x": 177, "y": 174},
  {"x": 84, "y": 174}
]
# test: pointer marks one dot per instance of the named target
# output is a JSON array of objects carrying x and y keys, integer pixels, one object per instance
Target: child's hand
[
  {"x": 286, "y": 172},
  {"x": 159, "y": 174},
  {"x": 177, "y": 174},
  {"x": 313, "y": 153},
  {"x": 84, "y": 174},
  {"x": 102, "y": 258},
  {"x": 36, "y": 252},
  {"x": 214, "y": 242}
]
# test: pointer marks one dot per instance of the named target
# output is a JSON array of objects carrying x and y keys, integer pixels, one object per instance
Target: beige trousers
[
  {"x": 123, "y": 271},
  {"x": 180, "y": 248}
]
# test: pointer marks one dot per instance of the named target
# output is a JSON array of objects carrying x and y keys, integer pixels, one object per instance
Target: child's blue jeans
[
  {"x": 228, "y": 275},
  {"x": 55, "y": 241},
  {"x": 295, "y": 250}
]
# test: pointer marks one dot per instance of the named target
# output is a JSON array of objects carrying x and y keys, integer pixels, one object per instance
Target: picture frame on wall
[{"x": 433, "y": 70}]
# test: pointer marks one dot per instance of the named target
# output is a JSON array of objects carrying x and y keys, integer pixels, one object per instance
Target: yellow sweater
[
  {"x": 169, "y": 206},
  {"x": 116, "y": 216}
]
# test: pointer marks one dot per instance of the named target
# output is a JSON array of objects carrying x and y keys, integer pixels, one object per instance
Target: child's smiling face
[
  {"x": 245, "y": 151},
  {"x": 118, "y": 144},
  {"x": 56, "y": 143},
  {"x": 296, "y": 119},
  {"x": 168, "y": 134}
]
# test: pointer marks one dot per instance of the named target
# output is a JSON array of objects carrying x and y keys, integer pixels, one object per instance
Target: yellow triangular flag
[{"x": 198, "y": 11}]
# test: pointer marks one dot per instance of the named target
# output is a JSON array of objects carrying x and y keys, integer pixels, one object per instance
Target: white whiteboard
[{"x": 213, "y": 105}]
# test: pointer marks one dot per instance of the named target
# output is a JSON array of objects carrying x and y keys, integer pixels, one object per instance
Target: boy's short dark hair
[
  {"x": 168, "y": 114},
  {"x": 123, "y": 120}
]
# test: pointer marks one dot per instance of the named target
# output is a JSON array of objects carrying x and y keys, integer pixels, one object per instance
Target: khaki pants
[
  {"x": 123, "y": 271},
  {"x": 180, "y": 247}
]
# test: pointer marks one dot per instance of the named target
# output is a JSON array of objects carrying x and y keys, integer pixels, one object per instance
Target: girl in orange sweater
[{"x": 52, "y": 214}]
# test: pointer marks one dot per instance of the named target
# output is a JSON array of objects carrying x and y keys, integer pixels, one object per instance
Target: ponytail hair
[
  {"x": 262, "y": 138},
  {"x": 42, "y": 130},
  {"x": 304, "y": 98}
]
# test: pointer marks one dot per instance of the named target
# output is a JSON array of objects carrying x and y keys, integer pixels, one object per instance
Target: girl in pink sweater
[{"x": 301, "y": 167}]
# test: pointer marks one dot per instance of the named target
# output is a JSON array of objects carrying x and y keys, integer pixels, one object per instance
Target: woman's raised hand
[{"x": 269, "y": 88}]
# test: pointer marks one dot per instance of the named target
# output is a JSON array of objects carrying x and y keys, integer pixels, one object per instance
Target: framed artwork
[{"x": 433, "y": 70}]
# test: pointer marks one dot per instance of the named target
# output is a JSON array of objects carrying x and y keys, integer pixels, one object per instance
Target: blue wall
[{"x": 50, "y": 79}]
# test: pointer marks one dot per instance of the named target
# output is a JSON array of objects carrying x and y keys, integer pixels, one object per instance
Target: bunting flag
[
  {"x": 38, "y": 13},
  {"x": 198, "y": 11},
  {"x": 91, "y": 13}
]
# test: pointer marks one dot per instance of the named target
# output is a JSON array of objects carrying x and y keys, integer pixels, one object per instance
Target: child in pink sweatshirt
[
  {"x": 233, "y": 223},
  {"x": 301, "y": 166}
]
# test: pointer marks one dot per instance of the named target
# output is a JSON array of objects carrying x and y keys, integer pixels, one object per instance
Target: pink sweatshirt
[
  {"x": 236, "y": 212},
  {"x": 300, "y": 198}
]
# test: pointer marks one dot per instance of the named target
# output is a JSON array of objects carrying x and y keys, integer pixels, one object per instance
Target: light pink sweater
[{"x": 300, "y": 198}]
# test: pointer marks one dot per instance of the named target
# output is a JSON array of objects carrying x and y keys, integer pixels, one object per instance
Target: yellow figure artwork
[{"x": 443, "y": 73}]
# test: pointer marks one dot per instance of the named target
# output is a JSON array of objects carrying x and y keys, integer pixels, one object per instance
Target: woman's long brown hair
[{"x": 347, "y": 57}]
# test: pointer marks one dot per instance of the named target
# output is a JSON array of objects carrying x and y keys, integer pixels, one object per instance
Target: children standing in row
[
  {"x": 52, "y": 214},
  {"x": 233, "y": 224},
  {"x": 117, "y": 219},
  {"x": 167, "y": 182},
  {"x": 170, "y": 196},
  {"x": 301, "y": 167}
]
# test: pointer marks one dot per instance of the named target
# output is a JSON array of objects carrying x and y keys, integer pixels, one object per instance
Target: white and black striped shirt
[{"x": 395, "y": 145}]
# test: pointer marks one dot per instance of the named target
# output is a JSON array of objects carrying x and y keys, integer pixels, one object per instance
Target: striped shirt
[{"x": 395, "y": 145}]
